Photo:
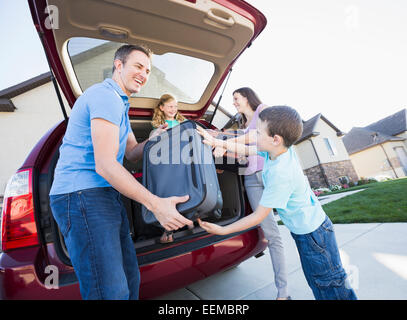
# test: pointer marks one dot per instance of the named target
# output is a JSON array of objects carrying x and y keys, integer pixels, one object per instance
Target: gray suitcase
[{"x": 177, "y": 163}]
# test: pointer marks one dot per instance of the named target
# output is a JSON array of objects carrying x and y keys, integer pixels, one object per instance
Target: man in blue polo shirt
[{"x": 89, "y": 178}]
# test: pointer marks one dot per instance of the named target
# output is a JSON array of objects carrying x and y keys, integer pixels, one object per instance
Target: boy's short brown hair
[{"x": 283, "y": 121}]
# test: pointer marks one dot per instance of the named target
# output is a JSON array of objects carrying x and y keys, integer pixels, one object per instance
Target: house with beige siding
[
  {"x": 380, "y": 149},
  {"x": 27, "y": 111},
  {"x": 323, "y": 155}
]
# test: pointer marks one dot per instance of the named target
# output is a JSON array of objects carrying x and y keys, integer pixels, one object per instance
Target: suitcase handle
[
  {"x": 194, "y": 166},
  {"x": 197, "y": 157}
]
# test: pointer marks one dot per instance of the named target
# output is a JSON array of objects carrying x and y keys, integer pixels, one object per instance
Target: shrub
[
  {"x": 351, "y": 184},
  {"x": 323, "y": 190},
  {"x": 382, "y": 177},
  {"x": 335, "y": 187},
  {"x": 344, "y": 180},
  {"x": 317, "y": 193},
  {"x": 362, "y": 181},
  {"x": 366, "y": 181}
]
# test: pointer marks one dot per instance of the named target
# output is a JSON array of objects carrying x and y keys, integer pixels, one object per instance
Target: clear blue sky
[
  {"x": 343, "y": 58},
  {"x": 21, "y": 54}
]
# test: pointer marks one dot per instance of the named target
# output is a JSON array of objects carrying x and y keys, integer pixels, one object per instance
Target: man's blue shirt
[
  {"x": 75, "y": 169},
  {"x": 287, "y": 189}
]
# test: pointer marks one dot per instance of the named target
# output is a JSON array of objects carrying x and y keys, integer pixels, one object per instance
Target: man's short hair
[
  {"x": 123, "y": 52},
  {"x": 283, "y": 121}
]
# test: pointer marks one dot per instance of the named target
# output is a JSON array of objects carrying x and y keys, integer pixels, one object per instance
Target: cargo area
[{"x": 146, "y": 237}]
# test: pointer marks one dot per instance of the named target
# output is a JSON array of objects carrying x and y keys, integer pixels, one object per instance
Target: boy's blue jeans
[
  {"x": 96, "y": 231},
  {"x": 322, "y": 265}
]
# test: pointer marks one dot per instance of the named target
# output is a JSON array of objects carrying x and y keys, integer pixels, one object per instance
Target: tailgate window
[{"x": 184, "y": 76}]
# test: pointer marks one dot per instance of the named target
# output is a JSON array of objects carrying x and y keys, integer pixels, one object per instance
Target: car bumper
[{"x": 24, "y": 273}]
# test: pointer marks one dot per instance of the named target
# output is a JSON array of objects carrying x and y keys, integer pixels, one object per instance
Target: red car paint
[{"x": 23, "y": 271}]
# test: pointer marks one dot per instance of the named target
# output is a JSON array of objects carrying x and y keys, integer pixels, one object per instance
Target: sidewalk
[
  {"x": 375, "y": 253},
  {"x": 325, "y": 199}
]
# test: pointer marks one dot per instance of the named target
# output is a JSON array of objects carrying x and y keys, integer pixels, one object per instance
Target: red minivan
[{"x": 195, "y": 44}]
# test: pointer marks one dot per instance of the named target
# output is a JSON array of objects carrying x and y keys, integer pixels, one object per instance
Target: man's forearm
[
  {"x": 120, "y": 179},
  {"x": 137, "y": 153}
]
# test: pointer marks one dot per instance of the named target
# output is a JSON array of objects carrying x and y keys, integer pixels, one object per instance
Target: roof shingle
[
  {"x": 6, "y": 105},
  {"x": 376, "y": 133},
  {"x": 391, "y": 125},
  {"x": 309, "y": 128},
  {"x": 25, "y": 86},
  {"x": 359, "y": 139}
]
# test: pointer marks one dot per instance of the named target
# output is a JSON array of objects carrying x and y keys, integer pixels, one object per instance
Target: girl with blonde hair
[{"x": 166, "y": 111}]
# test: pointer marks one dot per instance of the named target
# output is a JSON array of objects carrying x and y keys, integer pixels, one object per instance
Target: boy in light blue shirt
[{"x": 287, "y": 189}]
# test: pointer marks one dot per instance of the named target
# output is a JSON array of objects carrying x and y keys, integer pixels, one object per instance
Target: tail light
[{"x": 18, "y": 228}]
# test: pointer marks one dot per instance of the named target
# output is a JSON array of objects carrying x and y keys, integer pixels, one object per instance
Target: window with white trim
[{"x": 330, "y": 146}]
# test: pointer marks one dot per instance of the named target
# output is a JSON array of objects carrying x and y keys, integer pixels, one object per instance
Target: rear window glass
[{"x": 183, "y": 76}]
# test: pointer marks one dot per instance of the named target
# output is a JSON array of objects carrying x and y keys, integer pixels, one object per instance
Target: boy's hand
[
  {"x": 207, "y": 137},
  {"x": 211, "y": 227}
]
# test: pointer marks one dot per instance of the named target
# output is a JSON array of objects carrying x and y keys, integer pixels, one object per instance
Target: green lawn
[{"x": 380, "y": 202}]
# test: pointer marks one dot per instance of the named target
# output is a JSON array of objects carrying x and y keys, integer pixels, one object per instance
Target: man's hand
[
  {"x": 167, "y": 215},
  {"x": 212, "y": 228},
  {"x": 158, "y": 131}
]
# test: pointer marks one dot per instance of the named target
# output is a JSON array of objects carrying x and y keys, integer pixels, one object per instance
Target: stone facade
[
  {"x": 333, "y": 171},
  {"x": 315, "y": 177}
]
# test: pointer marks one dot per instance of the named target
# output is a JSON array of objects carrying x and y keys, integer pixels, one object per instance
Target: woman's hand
[
  {"x": 213, "y": 133},
  {"x": 211, "y": 227},
  {"x": 219, "y": 152},
  {"x": 207, "y": 137}
]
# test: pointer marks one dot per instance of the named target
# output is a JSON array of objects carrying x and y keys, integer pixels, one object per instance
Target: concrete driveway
[{"x": 374, "y": 255}]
